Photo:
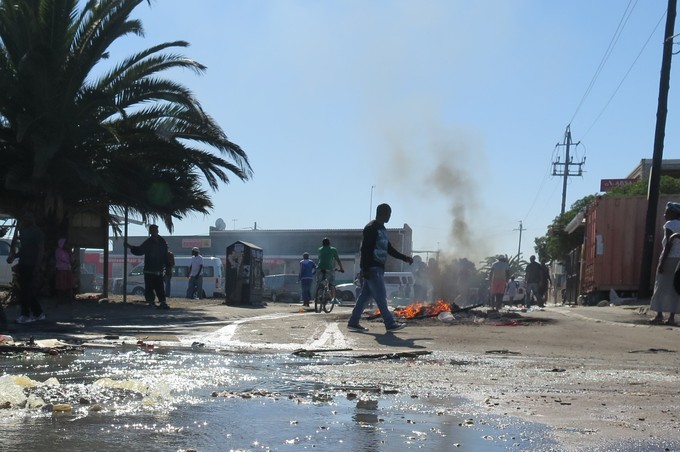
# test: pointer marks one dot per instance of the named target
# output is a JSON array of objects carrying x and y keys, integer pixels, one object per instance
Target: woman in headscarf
[{"x": 665, "y": 298}]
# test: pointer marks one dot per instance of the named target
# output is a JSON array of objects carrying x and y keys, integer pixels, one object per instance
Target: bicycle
[{"x": 322, "y": 298}]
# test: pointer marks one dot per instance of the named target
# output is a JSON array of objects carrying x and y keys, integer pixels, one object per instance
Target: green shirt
[{"x": 327, "y": 258}]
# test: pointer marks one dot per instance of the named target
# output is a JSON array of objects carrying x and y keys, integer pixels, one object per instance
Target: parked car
[
  {"x": 281, "y": 288},
  {"x": 346, "y": 292}
]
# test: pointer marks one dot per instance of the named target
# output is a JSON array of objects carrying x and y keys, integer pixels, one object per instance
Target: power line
[
  {"x": 644, "y": 46},
  {"x": 610, "y": 48}
]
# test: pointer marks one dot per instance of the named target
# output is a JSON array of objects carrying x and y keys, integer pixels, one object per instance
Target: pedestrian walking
[
  {"x": 306, "y": 277},
  {"x": 30, "y": 257},
  {"x": 664, "y": 297},
  {"x": 195, "y": 286},
  {"x": 375, "y": 247},
  {"x": 498, "y": 277},
  {"x": 419, "y": 278},
  {"x": 533, "y": 276},
  {"x": 155, "y": 252}
]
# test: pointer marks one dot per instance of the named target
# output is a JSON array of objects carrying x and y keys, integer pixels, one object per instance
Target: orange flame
[{"x": 423, "y": 310}]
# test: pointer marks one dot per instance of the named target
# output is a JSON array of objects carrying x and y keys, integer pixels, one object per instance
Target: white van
[
  {"x": 399, "y": 284},
  {"x": 5, "y": 268},
  {"x": 213, "y": 278}
]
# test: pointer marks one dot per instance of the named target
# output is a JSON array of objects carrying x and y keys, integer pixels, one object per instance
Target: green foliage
[
  {"x": 556, "y": 244},
  {"x": 76, "y": 136},
  {"x": 667, "y": 186},
  {"x": 517, "y": 266}
]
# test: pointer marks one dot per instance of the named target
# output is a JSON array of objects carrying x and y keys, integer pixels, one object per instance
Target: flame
[{"x": 423, "y": 310}]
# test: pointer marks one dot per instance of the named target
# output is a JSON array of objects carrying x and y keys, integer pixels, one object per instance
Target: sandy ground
[{"x": 601, "y": 376}]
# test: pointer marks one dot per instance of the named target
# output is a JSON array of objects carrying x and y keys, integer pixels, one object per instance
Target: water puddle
[{"x": 170, "y": 399}]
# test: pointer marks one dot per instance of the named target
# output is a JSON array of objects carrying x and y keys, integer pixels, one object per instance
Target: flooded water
[{"x": 182, "y": 399}]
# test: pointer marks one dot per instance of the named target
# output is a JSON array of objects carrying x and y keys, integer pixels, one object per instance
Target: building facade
[{"x": 282, "y": 249}]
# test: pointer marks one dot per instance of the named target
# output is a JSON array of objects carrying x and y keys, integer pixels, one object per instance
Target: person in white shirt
[
  {"x": 665, "y": 298},
  {"x": 195, "y": 287}
]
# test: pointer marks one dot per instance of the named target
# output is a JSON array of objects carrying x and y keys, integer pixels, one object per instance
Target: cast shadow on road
[
  {"x": 393, "y": 340},
  {"x": 67, "y": 321}
]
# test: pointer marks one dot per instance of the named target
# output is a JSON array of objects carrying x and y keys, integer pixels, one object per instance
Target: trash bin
[{"x": 243, "y": 278}]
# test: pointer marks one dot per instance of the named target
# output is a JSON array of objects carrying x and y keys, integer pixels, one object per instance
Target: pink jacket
[{"x": 62, "y": 256}]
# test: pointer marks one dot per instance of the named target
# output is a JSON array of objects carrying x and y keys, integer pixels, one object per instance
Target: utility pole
[
  {"x": 519, "y": 247},
  {"x": 565, "y": 168},
  {"x": 657, "y": 158}
]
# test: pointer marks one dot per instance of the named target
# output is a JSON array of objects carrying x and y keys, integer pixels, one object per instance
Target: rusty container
[{"x": 613, "y": 242}]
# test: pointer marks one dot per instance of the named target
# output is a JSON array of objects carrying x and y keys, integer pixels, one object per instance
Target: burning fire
[{"x": 423, "y": 310}]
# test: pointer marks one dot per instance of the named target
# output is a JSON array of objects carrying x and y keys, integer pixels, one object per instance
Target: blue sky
[{"x": 451, "y": 110}]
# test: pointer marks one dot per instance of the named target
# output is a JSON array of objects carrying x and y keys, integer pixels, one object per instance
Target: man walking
[
  {"x": 155, "y": 252},
  {"x": 305, "y": 277},
  {"x": 195, "y": 287},
  {"x": 532, "y": 276},
  {"x": 375, "y": 246}
]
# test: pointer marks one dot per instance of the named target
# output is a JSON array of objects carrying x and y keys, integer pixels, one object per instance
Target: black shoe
[
  {"x": 357, "y": 328},
  {"x": 396, "y": 326},
  {"x": 163, "y": 306}
]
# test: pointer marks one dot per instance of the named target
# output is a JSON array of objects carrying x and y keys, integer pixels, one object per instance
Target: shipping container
[{"x": 612, "y": 247}]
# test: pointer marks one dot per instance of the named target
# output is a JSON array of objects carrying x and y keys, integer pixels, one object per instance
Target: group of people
[
  {"x": 159, "y": 261},
  {"x": 502, "y": 282},
  {"x": 158, "y": 264},
  {"x": 28, "y": 269},
  {"x": 325, "y": 268},
  {"x": 375, "y": 247}
]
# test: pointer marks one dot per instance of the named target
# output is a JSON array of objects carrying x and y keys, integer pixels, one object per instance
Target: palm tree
[{"x": 76, "y": 136}]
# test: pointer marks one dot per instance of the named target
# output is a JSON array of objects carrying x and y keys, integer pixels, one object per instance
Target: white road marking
[{"x": 331, "y": 337}]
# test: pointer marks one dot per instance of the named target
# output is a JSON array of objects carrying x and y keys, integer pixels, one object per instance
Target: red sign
[
  {"x": 199, "y": 243},
  {"x": 607, "y": 184}
]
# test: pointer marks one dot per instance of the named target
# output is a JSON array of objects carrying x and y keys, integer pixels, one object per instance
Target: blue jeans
[
  {"x": 195, "y": 287},
  {"x": 306, "y": 286},
  {"x": 373, "y": 287}
]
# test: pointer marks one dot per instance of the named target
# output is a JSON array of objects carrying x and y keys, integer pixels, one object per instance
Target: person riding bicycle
[{"x": 328, "y": 257}]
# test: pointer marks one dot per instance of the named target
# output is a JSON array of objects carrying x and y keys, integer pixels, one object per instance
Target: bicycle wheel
[
  {"x": 318, "y": 299},
  {"x": 328, "y": 305}
]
